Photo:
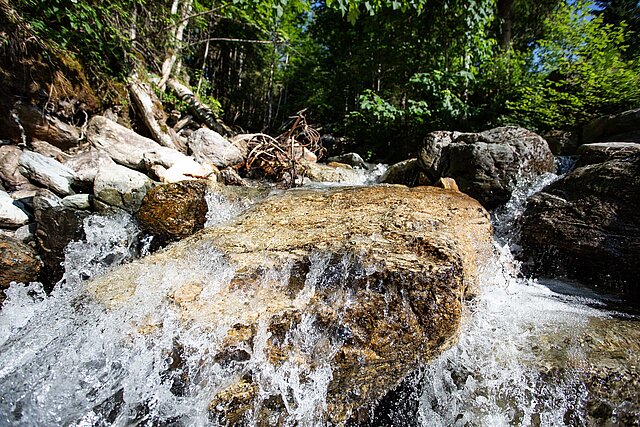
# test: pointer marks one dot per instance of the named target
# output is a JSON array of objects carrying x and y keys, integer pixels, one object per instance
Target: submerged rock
[
  {"x": 586, "y": 226},
  {"x": 486, "y": 165},
  {"x": 312, "y": 294}
]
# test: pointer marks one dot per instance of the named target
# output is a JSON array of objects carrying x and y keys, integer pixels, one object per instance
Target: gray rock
[
  {"x": 48, "y": 172},
  {"x": 11, "y": 216},
  {"x": 121, "y": 187},
  {"x": 10, "y": 169},
  {"x": 26, "y": 233},
  {"x": 208, "y": 146},
  {"x": 623, "y": 127},
  {"x": 407, "y": 173},
  {"x": 123, "y": 145},
  {"x": 351, "y": 159},
  {"x": 85, "y": 165},
  {"x": 586, "y": 226},
  {"x": 591, "y": 154},
  {"x": 486, "y": 165},
  {"x": 77, "y": 201}
]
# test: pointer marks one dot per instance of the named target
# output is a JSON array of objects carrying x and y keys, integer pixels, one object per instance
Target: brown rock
[
  {"x": 447, "y": 184},
  {"x": 174, "y": 211},
  {"x": 367, "y": 280},
  {"x": 18, "y": 263}
]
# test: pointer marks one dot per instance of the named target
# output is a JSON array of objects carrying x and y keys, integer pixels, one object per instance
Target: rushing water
[{"x": 67, "y": 360}]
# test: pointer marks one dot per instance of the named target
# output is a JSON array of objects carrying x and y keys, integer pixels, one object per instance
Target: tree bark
[
  {"x": 505, "y": 10},
  {"x": 154, "y": 116},
  {"x": 201, "y": 111},
  {"x": 172, "y": 55}
]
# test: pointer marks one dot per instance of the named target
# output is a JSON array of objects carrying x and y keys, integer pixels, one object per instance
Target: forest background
[{"x": 380, "y": 73}]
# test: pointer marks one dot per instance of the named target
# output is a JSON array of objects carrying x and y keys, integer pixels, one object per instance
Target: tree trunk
[
  {"x": 505, "y": 10},
  {"x": 201, "y": 111},
  {"x": 154, "y": 116},
  {"x": 172, "y": 55}
]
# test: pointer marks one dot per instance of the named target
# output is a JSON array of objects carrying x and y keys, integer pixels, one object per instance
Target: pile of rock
[{"x": 47, "y": 188}]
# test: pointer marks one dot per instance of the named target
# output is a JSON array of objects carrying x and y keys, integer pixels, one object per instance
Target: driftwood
[
  {"x": 280, "y": 157},
  {"x": 201, "y": 112},
  {"x": 154, "y": 116}
]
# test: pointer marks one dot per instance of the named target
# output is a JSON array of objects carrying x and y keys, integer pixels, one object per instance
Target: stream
[{"x": 530, "y": 353}]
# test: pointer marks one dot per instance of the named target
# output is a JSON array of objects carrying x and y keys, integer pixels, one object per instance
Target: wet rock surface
[
  {"x": 486, "y": 165},
  {"x": 174, "y": 211},
  {"x": 18, "y": 263},
  {"x": 585, "y": 226},
  {"x": 57, "y": 226},
  {"x": 352, "y": 286}
]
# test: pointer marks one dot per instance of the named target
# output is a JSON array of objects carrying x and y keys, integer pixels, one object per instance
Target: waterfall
[{"x": 67, "y": 360}]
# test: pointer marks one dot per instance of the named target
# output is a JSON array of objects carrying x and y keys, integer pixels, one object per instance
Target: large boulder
[
  {"x": 586, "y": 226},
  {"x": 47, "y": 172},
  {"x": 208, "y": 146},
  {"x": 623, "y": 127},
  {"x": 121, "y": 187},
  {"x": 591, "y": 154},
  {"x": 338, "y": 293},
  {"x": 486, "y": 165}
]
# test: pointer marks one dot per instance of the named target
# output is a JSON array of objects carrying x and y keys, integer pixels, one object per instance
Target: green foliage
[
  {"x": 93, "y": 30},
  {"x": 579, "y": 73}
]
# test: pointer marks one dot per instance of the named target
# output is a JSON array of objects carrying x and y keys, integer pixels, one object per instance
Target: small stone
[
  {"x": 447, "y": 184},
  {"x": 208, "y": 146},
  {"x": 11, "y": 216},
  {"x": 77, "y": 201},
  {"x": 187, "y": 293}
]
